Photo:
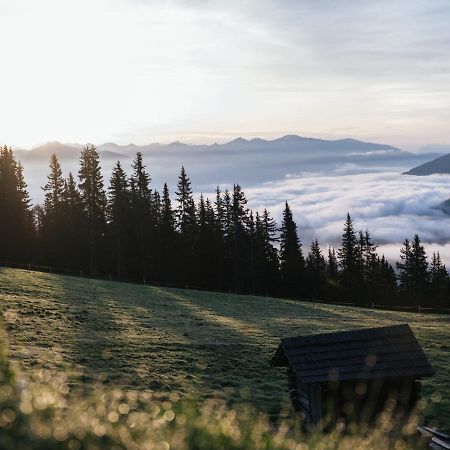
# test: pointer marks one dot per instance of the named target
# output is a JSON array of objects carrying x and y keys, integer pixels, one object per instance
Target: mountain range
[
  {"x": 247, "y": 161},
  {"x": 301, "y": 147}
]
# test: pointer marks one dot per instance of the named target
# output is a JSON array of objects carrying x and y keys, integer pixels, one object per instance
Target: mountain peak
[
  {"x": 293, "y": 138},
  {"x": 239, "y": 140}
]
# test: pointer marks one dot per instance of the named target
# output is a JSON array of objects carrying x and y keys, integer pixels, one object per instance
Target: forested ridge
[{"x": 130, "y": 231}]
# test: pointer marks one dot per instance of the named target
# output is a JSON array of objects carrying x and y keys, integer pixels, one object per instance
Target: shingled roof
[{"x": 386, "y": 352}]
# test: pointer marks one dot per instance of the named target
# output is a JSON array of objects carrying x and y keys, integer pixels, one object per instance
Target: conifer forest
[{"x": 126, "y": 229}]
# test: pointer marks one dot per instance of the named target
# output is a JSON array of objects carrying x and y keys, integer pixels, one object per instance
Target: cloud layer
[{"x": 392, "y": 206}]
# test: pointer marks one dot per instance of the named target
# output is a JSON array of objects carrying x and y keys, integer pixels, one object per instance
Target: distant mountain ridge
[
  {"x": 64, "y": 152},
  {"x": 290, "y": 143},
  {"x": 440, "y": 165},
  {"x": 249, "y": 162}
]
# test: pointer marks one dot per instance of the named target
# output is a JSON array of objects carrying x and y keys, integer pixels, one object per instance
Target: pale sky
[{"x": 208, "y": 70}]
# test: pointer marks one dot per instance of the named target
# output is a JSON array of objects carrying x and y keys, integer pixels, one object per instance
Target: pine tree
[
  {"x": 332, "y": 286},
  {"x": 332, "y": 264},
  {"x": 219, "y": 210},
  {"x": 227, "y": 238},
  {"x": 413, "y": 273},
  {"x": 94, "y": 202},
  {"x": 143, "y": 229},
  {"x": 54, "y": 187},
  {"x": 187, "y": 226},
  {"x": 74, "y": 226},
  {"x": 24, "y": 199},
  {"x": 404, "y": 267},
  {"x": 316, "y": 270},
  {"x": 168, "y": 260},
  {"x": 218, "y": 244},
  {"x": 52, "y": 224},
  {"x": 240, "y": 241},
  {"x": 271, "y": 266},
  {"x": 292, "y": 263},
  {"x": 206, "y": 246},
  {"x": 15, "y": 211},
  {"x": 119, "y": 211},
  {"x": 349, "y": 256},
  {"x": 385, "y": 281},
  {"x": 186, "y": 206},
  {"x": 439, "y": 282},
  {"x": 420, "y": 272},
  {"x": 369, "y": 268}
]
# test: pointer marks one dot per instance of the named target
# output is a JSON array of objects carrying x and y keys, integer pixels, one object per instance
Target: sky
[{"x": 202, "y": 71}]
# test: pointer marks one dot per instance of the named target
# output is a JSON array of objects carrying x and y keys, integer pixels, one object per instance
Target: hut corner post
[{"x": 307, "y": 400}]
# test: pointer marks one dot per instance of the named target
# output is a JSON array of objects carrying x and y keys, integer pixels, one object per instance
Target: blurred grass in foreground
[{"x": 37, "y": 412}]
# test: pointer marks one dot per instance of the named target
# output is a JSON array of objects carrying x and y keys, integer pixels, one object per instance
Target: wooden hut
[{"x": 353, "y": 375}]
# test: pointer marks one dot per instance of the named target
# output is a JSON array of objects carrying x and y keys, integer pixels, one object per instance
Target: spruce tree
[
  {"x": 420, "y": 272},
  {"x": 369, "y": 268},
  {"x": 439, "y": 282},
  {"x": 119, "y": 212},
  {"x": 206, "y": 246},
  {"x": 271, "y": 267},
  {"x": 187, "y": 226},
  {"x": 349, "y": 255},
  {"x": 94, "y": 202},
  {"x": 219, "y": 210},
  {"x": 404, "y": 267},
  {"x": 413, "y": 273},
  {"x": 218, "y": 243},
  {"x": 54, "y": 187},
  {"x": 228, "y": 276},
  {"x": 332, "y": 287},
  {"x": 316, "y": 270},
  {"x": 53, "y": 226},
  {"x": 15, "y": 211},
  {"x": 385, "y": 281},
  {"x": 74, "y": 226},
  {"x": 240, "y": 241},
  {"x": 186, "y": 206},
  {"x": 292, "y": 263},
  {"x": 168, "y": 261},
  {"x": 143, "y": 227}
]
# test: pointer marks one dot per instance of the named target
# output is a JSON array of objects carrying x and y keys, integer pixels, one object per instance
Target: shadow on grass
[
  {"x": 151, "y": 338},
  {"x": 99, "y": 349}
]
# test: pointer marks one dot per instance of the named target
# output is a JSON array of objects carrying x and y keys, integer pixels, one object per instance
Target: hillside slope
[
  {"x": 201, "y": 343},
  {"x": 438, "y": 165}
]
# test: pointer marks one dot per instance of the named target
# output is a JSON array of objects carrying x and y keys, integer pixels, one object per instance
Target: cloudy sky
[{"x": 206, "y": 70}]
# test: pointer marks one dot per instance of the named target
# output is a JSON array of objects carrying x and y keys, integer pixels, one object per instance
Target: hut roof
[{"x": 386, "y": 352}]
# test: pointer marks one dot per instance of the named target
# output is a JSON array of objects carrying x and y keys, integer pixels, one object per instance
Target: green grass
[{"x": 201, "y": 344}]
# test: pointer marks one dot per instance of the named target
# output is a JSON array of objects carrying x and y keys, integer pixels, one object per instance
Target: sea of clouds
[{"x": 390, "y": 205}]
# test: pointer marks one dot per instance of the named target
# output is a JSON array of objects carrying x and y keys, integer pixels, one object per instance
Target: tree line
[{"x": 131, "y": 231}]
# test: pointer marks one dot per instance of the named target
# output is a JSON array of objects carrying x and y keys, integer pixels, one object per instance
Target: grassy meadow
[{"x": 193, "y": 343}]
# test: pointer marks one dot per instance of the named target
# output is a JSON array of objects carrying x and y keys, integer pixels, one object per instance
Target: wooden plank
[
  {"x": 346, "y": 336},
  {"x": 406, "y": 372},
  {"x": 315, "y": 394},
  {"x": 445, "y": 445},
  {"x": 361, "y": 358},
  {"x": 354, "y": 344},
  {"x": 436, "y": 432},
  {"x": 334, "y": 353}
]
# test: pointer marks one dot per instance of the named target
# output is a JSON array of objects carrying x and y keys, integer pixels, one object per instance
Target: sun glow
[{"x": 144, "y": 71}]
